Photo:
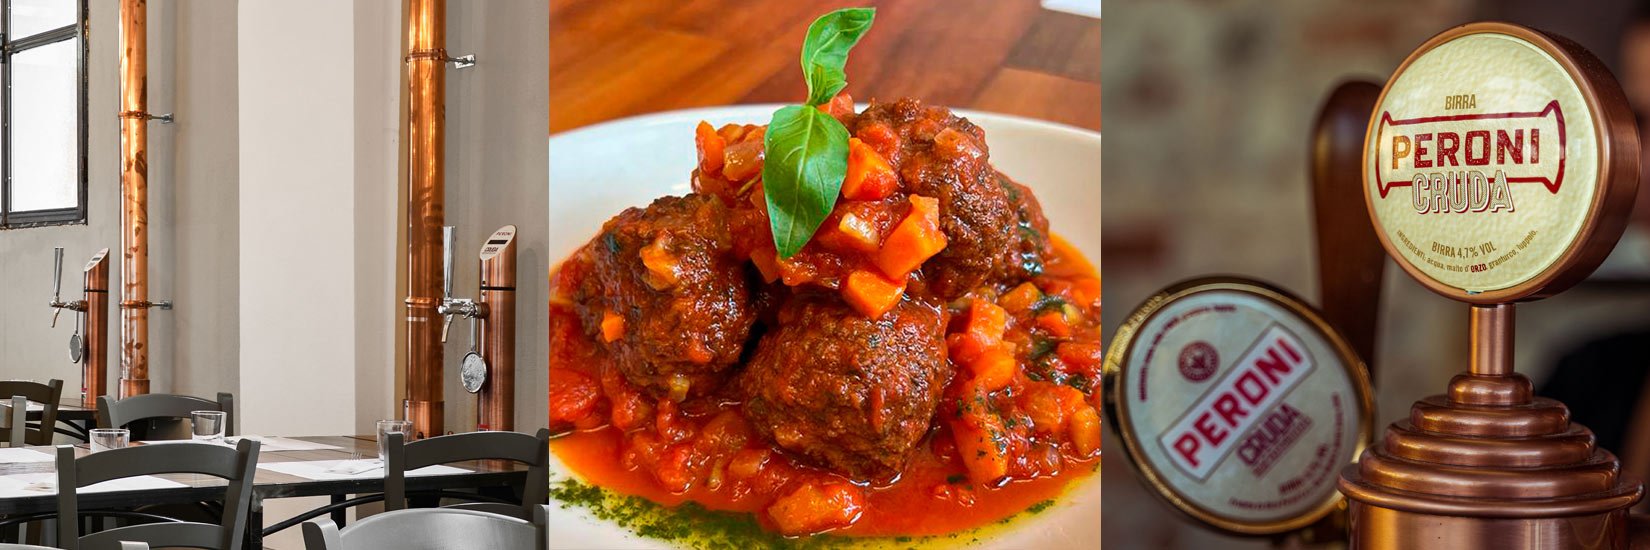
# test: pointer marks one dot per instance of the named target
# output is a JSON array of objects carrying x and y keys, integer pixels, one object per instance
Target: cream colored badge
[
  {"x": 1481, "y": 163},
  {"x": 1238, "y": 405}
]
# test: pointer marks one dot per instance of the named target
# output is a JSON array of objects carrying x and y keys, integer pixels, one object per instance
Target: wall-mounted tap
[
  {"x": 488, "y": 370},
  {"x": 89, "y": 344},
  {"x": 452, "y": 307}
]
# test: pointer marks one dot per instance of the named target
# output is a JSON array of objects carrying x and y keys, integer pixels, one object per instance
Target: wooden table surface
[{"x": 617, "y": 58}]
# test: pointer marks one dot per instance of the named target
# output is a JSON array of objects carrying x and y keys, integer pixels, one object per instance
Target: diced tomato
[
  {"x": 982, "y": 331},
  {"x": 1084, "y": 357},
  {"x": 748, "y": 462},
  {"x": 840, "y": 106},
  {"x": 710, "y": 148},
  {"x": 916, "y": 239},
  {"x": 880, "y": 136},
  {"x": 726, "y": 432},
  {"x": 742, "y": 161},
  {"x": 872, "y": 294},
  {"x": 869, "y": 175},
  {"x": 817, "y": 507},
  {"x": 573, "y": 395}
]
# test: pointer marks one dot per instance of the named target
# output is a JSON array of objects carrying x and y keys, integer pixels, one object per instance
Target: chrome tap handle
[
  {"x": 448, "y": 235},
  {"x": 445, "y": 327},
  {"x": 57, "y": 275}
]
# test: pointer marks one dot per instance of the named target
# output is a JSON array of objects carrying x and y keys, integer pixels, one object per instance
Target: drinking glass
[
  {"x": 387, "y": 427},
  {"x": 104, "y": 439},
  {"x": 209, "y": 426}
]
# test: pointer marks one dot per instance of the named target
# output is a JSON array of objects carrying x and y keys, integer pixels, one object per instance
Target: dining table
[{"x": 288, "y": 467}]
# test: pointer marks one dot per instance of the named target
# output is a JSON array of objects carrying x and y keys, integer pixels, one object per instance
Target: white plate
[{"x": 597, "y": 171}]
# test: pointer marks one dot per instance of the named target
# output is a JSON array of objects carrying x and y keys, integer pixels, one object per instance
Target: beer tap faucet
[
  {"x": 450, "y": 306},
  {"x": 57, "y": 304}
]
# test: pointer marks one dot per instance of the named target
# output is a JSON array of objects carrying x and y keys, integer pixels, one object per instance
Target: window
[{"x": 42, "y": 112}]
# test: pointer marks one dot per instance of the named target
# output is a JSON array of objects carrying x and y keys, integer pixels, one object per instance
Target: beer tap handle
[
  {"x": 57, "y": 274},
  {"x": 448, "y": 235}
]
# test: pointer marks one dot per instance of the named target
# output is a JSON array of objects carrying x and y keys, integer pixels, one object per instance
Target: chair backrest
[
  {"x": 15, "y": 423},
  {"x": 236, "y": 466},
  {"x": 47, "y": 395},
  {"x": 425, "y": 529},
  {"x": 113, "y": 413},
  {"x": 532, "y": 450}
]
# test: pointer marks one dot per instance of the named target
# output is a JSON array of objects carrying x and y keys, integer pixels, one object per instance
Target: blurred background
[
  {"x": 611, "y": 60},
  {"x": 1210, "y": 113}
]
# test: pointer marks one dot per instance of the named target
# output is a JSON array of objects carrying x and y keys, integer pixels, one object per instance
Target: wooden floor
[{"x": 617, "y": 58}]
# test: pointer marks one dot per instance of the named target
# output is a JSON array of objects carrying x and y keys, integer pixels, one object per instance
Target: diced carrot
[
  {"x": 661, "y": 265},
  {"x": 994, "y": 369},
  {"x": 612, "y": 326},
  {"x": 1021, "y": 298},
  {"x": 988, "y": 320},
  {"x": 748, "y": 462},
  {"x": 711, "y": 146},
  {"x": 817, "y": 507},
  {"x": 872, "y": 294},
  {"x": 916, "y": 239},
  {"x": 964, "y": 347},
  {"x": 983, "y": 446},
  {"x": 767, "y": 263},
  {"x": 861, "y": 233},
  {"x": 869, "y": 175},
  {"x": 1055, "y": 323},
  {"x": 1085, "y": 431}
]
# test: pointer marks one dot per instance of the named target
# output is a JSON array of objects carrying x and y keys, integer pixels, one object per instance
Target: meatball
[
  {"x": 1032, "y": 247},
  {"x": 943, "y": 156},
  {"x": 850, "y": 393},
  {"x": 667, "y": 296}
]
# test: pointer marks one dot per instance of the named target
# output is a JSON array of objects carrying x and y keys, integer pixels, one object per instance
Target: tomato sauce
[{"x": 701, "y": 450}]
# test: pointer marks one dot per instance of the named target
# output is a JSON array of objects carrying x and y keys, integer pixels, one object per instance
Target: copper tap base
[
  {"x": 426, "y": 417},
  {"x": 1488, "y": 465},
  {"x": 1377, "y": 528},
  {"x": 133, "y": 386}
]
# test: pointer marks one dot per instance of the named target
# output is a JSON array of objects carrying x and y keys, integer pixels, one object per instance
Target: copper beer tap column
[
  {"x": 496, "y": 402},
  {"x": 1488, "y": 464},
  {"x": 426, "y": 198},
  {"x": 94, "y": 375}
]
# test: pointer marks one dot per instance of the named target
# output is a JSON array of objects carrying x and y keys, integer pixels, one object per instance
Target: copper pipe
[
  {"x": 1492, "y": 340},
  {"x": 426, "y": 197},
  {"x": 134, "y": 185},
  {"x": 496, "y": 403},
  {"x": 94, "y": 375}
]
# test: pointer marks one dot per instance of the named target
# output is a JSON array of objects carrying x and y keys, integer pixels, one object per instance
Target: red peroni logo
[
  {"x": 1467, "y": 163},
  {"x": 1243, "y": 397}
]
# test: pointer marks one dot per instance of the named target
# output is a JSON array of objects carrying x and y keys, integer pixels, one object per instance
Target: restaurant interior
[{"x": 302, "y": 237}]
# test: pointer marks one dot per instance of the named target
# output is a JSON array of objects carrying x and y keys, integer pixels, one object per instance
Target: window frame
[{"x": 77, "y": 30}]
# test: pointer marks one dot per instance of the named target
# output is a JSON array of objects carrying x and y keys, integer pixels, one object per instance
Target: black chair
[
  {"x": 47, "y": 395},
  {"x": 16, "y": 422},
  {"x": 122, "y": 413},
  {"x": 236, "y": 466},
  {"x": 428, "y": 529},
  {"x": 534, "y": 451}
]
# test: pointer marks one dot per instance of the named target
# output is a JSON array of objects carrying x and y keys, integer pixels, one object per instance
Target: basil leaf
[
  {"x": 806, "y": 160},
  {"x": 825, "y": 50}
]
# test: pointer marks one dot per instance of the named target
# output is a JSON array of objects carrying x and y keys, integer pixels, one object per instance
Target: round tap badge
[
  {"x": 1238, "y": 404},
  {"x": 1500, "y": 163}
]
